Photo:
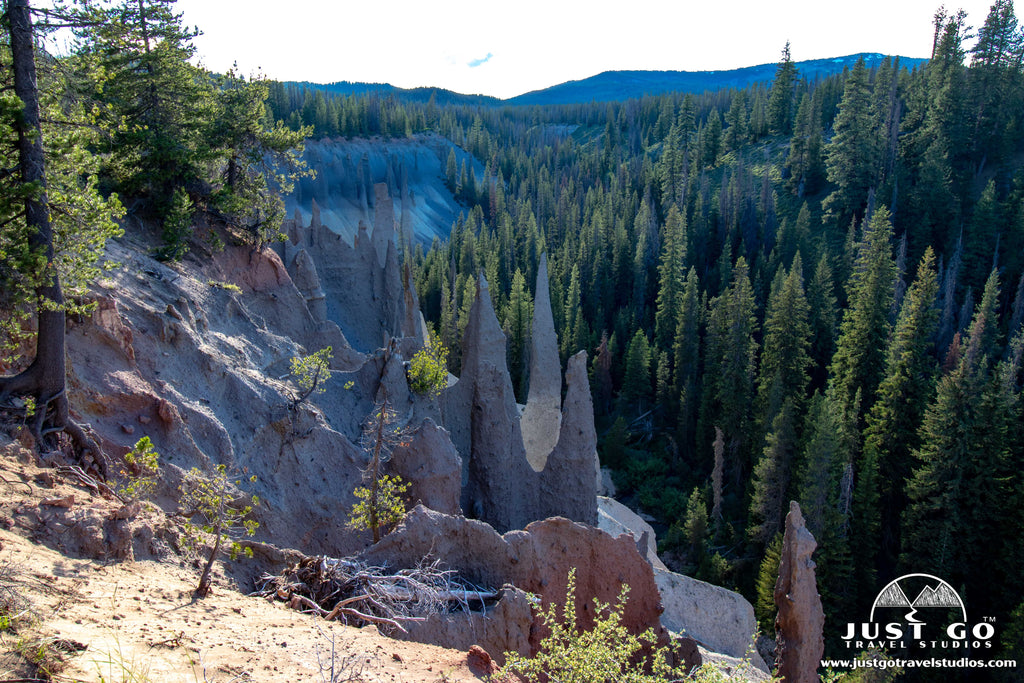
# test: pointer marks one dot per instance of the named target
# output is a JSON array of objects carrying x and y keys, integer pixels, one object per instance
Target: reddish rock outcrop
[
  {"x": 536, "y": 560},
  {"x": 800, "y": 621}
]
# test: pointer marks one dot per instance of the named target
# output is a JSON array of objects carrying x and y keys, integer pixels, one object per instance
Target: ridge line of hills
[{"x": 613, "y": 86}]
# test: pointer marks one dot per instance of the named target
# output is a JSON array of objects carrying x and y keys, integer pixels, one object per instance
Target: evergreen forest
[{"x": 809, "y": 289}]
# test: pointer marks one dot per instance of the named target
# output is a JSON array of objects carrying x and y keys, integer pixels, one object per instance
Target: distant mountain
[{"x": 616, "y": 86}]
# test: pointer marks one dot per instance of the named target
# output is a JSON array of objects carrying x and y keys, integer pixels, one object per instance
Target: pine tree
[
  {"x": 780, "y": 103},
  {"x": 136, "y": 54},
  {"x": 771, "y": 478},
  {"x": 518, "y": 321},
  {"x": 686, "y": 350},
  {"x": 730, "y": 367},
  {"x": 893, "y": 422},
  {"x": 735, "y": 135},
  {"x": 825, "y": 495},
  {"x": 852, "y": 154},
  {"x": 636, "y": 382},
  {"x": 261, "y": 161},
  {"x": 785, "y": 359},
  {"x": 767, "y": 575},
  {"x": 959, "y": 489},
  {"x": 671, "y": 267},
  {"x": 859, "y": 359},
  {"x": 53, "y": 227}
]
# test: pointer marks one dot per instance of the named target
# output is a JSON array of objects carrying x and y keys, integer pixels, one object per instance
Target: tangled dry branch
[{"x": 358, "y": 593}]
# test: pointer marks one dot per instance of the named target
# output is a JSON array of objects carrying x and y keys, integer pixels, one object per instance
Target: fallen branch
[
  {"x": 331, "y": 587},
  {"x": 87, "y": 481},
  {"x": 374, "y": 619}
]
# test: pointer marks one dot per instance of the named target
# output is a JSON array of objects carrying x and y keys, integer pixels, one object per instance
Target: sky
[{"x": 509, "y": 48}]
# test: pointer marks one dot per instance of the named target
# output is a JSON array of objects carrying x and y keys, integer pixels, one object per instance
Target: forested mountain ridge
[
  {"x": 618, "y": 86},
  {"x": 612, "y": 86}
]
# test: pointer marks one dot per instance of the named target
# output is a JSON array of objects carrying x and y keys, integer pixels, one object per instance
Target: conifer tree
[
  {"x": 780, "y": 103},
  {"x": 735, "y": 135},
  {"x": 730, "y": 367},
  {"x": 686, "y": 350},
  {"x": 136, "y": 54},
  {"x": 825, "y": 495},
  {"x": 518, "y": 321},
  {"x": 823, "y": 318},
  {"x": 772, "y": 477},
  {"x": 852, "y": 154},
  {"x": 636, "y": 382},
  {"x": 960, "y": 487},
  {"x": 53, "y": 227},
  {"x": 785, "y": 358},
  {"x": 892, "y": 426},
  {"x": 671, "y": 267},
  {"x": 859, "y": 359}
]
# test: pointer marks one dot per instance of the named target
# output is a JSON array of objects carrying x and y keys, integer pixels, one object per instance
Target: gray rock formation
[
  {"x": 616, "y": 519},
  {"x": 499, "y": 484},
  {"x": 718, "y": 618},
  {"x": 800, "y": 621},
  {"x": 542, "y": 418},
  {"x": 308, "y": 283},
  {"x": 203, "y": 386},
  {"x": 362, "y": 285},
  {"x": 568, "y": 483},
  {"x": 428, "y": 461},
  {"x": 504, "y": 627},
  {"x": 383, "y": 221}
]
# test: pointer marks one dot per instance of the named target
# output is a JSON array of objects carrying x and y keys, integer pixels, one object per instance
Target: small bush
[
  {"x": 606, "y": 654},
  {"x": 229, "y": 286},
  {"x": 141, "y": 472},
  {"x": 428, "y": 369},
  {"x": 177, "y": 227},
  {"x": 310, "y": 373}
]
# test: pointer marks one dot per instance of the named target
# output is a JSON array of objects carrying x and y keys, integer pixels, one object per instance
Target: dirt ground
[{"x": 74, "y": 619}]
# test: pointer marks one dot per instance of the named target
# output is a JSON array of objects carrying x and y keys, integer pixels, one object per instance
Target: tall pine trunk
[{"x": 45, "y": 377}]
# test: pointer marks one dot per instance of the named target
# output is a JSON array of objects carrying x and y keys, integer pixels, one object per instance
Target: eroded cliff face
[
  {"x": 413, "y": 170},
  {"x": 173, "y": 353}
]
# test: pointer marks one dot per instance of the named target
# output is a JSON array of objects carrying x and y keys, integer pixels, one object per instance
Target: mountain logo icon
[{"x": 931, "y": 592}]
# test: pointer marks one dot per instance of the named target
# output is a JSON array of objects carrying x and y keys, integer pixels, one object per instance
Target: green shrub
[
  {"x": 177, "y": 227},
  {"x": 229, "y": 286},
  {"x": 380, "y": 505},
  {"x": 141, "y": 472},
  {"x": 608, "y": 653},
  {"x": 428, "y": 369},
  {"x": 310, "y": 373}
]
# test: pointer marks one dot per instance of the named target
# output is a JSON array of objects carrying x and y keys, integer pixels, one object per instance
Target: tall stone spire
[
  {"x": 800, "y": 621},
  {"x": 542, "y": 418}
]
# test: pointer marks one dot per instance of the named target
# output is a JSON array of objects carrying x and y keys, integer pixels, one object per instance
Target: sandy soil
[{"x": 138, "y": 621}]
